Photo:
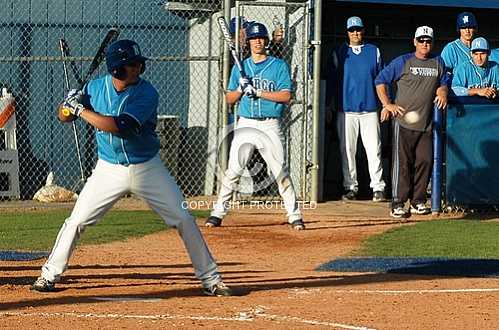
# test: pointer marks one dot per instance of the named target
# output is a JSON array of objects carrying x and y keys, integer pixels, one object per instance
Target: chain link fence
[{"x": 184, "y": 45}]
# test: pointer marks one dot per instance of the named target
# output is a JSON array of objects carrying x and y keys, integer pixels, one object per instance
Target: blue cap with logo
[
  {"x": 466, "y": 20},
  {"x": 479, "y": 44},
  {"x": 354, "y": 21}
]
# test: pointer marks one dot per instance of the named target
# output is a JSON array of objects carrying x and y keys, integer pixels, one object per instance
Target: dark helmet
[
  {"x": 256, "y": 30},
  {"x": 121, "y": 53},
  {"x": 243, "y": 24}
]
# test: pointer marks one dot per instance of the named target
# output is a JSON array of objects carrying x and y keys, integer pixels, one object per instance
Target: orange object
[{"x": 7, "y": 108}]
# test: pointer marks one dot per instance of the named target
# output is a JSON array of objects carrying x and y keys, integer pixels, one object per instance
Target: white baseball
[{"x": 411, "y": 117}]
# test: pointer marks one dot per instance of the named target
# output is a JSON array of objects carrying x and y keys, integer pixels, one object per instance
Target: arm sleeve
[
  {"x": 449, "y": 57},
  {"x": 234, "y": 79},
  {"x": 284, "y": 78},
  {"x": 141, "y": 107},
  {"x": 392, "y": 72},
  {"x": 379, "y": 61},
  {"x": 459, "y": 82},
  {"x": 445, "y": 76}
]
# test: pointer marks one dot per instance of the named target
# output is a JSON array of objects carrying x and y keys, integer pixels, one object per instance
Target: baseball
[{"x": 411, "y": 117}]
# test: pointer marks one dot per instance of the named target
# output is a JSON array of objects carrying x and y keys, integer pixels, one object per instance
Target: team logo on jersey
[
  {"x": 424, "y": 72},
  {"x": 264, "y": 84}
]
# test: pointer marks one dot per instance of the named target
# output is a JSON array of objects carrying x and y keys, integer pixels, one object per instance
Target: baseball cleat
[
  {"x": 43, "y": 285},
  {"x": 349, "y": 196},
  {"x": 213, "y": 222},
  {"x": 420, "y": 209},
  {"x": 399, "y": 212},
  {"x": 298, "y": 225},
  {"x": 218, "y": 290},
  {"x": 379, "y": 196}
]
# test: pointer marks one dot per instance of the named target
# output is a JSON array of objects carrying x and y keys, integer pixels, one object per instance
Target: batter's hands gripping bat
[
  {"x": 111, "y": 36},
  {"x": 232, "y": 46}
]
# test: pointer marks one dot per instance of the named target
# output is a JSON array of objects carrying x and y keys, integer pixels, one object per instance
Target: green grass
[
  {"x": 446, "y": 238},
  {"x": 36, "y": 231}
]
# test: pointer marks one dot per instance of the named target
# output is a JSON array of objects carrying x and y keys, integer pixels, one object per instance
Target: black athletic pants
[{"x": 412, "y": 164}]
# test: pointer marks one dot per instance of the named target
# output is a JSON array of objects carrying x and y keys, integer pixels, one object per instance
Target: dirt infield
[{"x": 147, "y": 283}]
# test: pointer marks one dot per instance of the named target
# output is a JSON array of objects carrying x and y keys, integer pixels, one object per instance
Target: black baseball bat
[{"x": 222, "y": 23}]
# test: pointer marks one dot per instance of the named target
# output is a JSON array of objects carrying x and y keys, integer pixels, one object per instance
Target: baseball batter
[
  {"x": 262, "y": 98},
  {"x": 123, "y": 109}
]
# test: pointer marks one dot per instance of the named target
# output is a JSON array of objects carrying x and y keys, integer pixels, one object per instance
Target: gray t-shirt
[{"x": 416, "y": 81}]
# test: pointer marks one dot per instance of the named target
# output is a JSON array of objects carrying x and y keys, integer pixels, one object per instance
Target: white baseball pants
[
  {"x": 349, "y": 126},
  {"x": 266, "y": 136},
  {"x": 150, "y": 181}
]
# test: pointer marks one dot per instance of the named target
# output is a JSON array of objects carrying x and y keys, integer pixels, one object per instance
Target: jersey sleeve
[
  {"x": 283, "y": 77},
  {"x": 445, "y": 77},
  {"x": 141, "y": 107},
  {"x": 379, "y": 61},
  {"x": 234, "y": 79},
  {"x": 449, "y": 57},
  {"x": 459, "y": 81},
  {"x": 393, "y": 71}
]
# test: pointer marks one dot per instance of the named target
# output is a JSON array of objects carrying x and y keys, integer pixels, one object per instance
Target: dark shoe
[
  {"x": 420, "y": 209},
  {"x": 399, "y": 212},
  {"x": 43, "y": 285},
  {"x": 298, "y": 225},
  {"x": 349, "y": 196},
  {"x": 218, "y": 290},
  {"x": 379, "y": 196},
  {"x": 213, "y": 222}
]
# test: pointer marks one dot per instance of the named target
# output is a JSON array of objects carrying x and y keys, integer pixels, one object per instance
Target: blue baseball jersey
[
  {"x": 468, "y": 75},
  {"x": 494, "y": 55},
  {"x": 455, "y": 53},
  {"x": 356, "y": 70},
  {"x": 140, "y": 102},
  {"x": 270, "y": 75}
]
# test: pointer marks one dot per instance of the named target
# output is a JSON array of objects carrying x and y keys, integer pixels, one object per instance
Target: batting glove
[
  {"x": 243, "y": 82},
  {"x": 72, "y": 102},
  {"x": 250, "y": 91}
]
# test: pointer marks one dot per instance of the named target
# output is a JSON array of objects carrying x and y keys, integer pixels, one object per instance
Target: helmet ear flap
[{"x": 119, "y": 73}]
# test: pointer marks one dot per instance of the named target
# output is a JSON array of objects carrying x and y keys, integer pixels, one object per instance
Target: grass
[
  {"x": 445, "y": 238},
  {"x": 36, "y": 231}
]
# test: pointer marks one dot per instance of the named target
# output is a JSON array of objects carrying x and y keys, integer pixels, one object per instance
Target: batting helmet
[
  {"x": 243, "y": 24},
  {"x": 121, "y": 53},
  {"x": 256, "y": 30}
]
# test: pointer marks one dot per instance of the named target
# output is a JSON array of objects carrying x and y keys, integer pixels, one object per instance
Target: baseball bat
[
  {"x": 222, "y": 23},
  {"x": 76, "y": 73},
  {"x": 64, "y": 48},
  {"x": 111, "y": 36}
]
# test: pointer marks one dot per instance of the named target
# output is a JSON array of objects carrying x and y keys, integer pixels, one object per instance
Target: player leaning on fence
[
  {"x": 262, "y": 98},
  {"x": 123, "y": 109},
  {"x": 421, "y": 81}
]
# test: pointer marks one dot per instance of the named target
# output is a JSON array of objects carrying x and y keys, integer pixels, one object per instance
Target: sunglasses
[
  {"x": 425, "y": 41},
  {"x": 355, "y": 29}
]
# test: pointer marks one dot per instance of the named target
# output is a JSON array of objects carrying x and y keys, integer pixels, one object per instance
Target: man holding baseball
[
  {"x": 356, "y": 65},
  {"x": 477, "y": 78},
  {"x": 262, "y": 97},
  {"x": 123, "y": 109},
  {"x": 421, "y": 82},
  {"x": 458, "y": 51}
]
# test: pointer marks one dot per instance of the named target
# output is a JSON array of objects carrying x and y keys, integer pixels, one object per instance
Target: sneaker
[
  {"x": 420, "y": 208},
  {"x": 298, "y": 225},
  {"x": 379, "y": 196},
  {"x": 399, "y": 212},
  {"x": 43, "y": 285},
  {"x": 218, "y": 290},
  {"x": 349, "y": 196},
  {"x": 213, "y": 222}
]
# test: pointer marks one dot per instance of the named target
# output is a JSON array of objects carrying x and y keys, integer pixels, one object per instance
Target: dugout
[{"x": 390, "y": 24}]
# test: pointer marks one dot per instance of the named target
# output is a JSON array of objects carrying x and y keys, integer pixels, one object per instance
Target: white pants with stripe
[
  {"x": 150, "y": 181},
  {"x": 266, "y": 136},
  {"x": 350, "y": 125}
]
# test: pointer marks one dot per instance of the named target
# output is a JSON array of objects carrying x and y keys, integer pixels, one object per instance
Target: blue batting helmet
[
  {"x": 243, "y": 24},
  {"x": 256, "y": 30},
  {"x": 121, "y": 53}
]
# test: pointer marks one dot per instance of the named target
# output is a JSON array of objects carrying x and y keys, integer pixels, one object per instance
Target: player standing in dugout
[
  {"x": 123, "y": 108},
  {"x": 262, "y": 98}
]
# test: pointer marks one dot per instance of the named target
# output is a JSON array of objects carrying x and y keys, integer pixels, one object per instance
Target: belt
[{"x": 261, "y": 118}]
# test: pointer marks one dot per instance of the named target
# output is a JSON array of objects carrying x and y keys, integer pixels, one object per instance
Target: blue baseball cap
[
  {"x": 466, "y": 20},
  {"x": 479, "y": 44},
  {"x": 354, "y": 21}
]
